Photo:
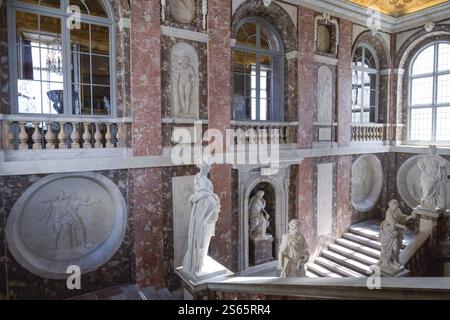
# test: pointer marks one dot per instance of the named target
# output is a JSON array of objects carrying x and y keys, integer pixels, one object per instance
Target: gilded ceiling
[{"x": 398, "y": 8}]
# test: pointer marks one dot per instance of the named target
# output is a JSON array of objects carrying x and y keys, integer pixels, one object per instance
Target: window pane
[
  {"x": 246, "y": 35},
  {"x": 91, "y": 7},
  {"x": 84, "y": 94},
  {"x": 443, "y": 88},
  {"x": 47, "y": 3},
  {"x": 424, "y": 63},
  {"x": 100, "y": 39},
  {"x": 268, "y": 39},
  {"x": 357, "y": 57},
  {"x": 50, "y": 30},
  {"x": 81, "y": 68},
  {"x": 101, "y": 100},
  {"x": 444, "y": 57},
  {"x": 52, "y": 63},
  {"x": 422, "y": 91},
  {"x": 369, "y": 59},
  {"x": 443, "y": 124},
  {"x": 421, "y": 124},
  {"x": 79, "y": 38},
  {"x": 52, "y": 97},
  {"x": 100, "y": 70},
  {"x": 27, "y": 28},
  {"x": 29, "y": 96}
]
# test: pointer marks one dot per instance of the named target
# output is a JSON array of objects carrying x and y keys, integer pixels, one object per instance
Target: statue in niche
[
  {"x": 184, "y": 85},
  {"x": 325, "y": 95},
  {"x": 259, "y": 218},
  {"x": 183, "y": 11},
  {"x": 433, "y": 180},
  {"x": 293, "y": 253},
  {"x": 63, "y": 218},
  {"x": 391, "y": 238},
  {"x": 204, "y": 215}
]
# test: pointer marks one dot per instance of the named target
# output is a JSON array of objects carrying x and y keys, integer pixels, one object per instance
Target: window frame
[
  {"x": 259, "y": 52},
  {"x": 369, "y": 71},
  {"x": 434, "y": 105},
  {"x": 17, "y": 5}
]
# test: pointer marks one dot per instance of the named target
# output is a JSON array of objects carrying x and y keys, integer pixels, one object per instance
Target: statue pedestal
[
  {"x": 211, "y": 269},
  {"x": 433, "y": 221},
  {"x": 261, "y": 250}
]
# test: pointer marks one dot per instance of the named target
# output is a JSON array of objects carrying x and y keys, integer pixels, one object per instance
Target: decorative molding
[
  {"x": 324, "y": 59},
  {"x": 124, "y": 23},
  {"x": 163, "y": 10},
  {"x": 292, "y": 55},
  {"x": 325, "y": 17},
  {"x": 204, "y": 13},
  {"x": 184, "y": 34}
]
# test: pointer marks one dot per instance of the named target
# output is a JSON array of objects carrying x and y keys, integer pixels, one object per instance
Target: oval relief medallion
[
  {"x": 367, "y": 182},
  {"x": 323, "y": 39},
  {"x": 183, "y": 11},
  {"x": 64, "y": 220}
]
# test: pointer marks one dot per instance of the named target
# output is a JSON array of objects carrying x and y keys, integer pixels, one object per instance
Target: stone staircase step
[
  {"x": 352, "y": 254},
  {"x": 322, "y": 272},
  {"x": 150, "y": 293},
  {"x": 337, "y": 268},
  {"x": 363, "y": 232},
  {"x": 362, "y": 240},
  {"x": 309, "y": 274},
  {"x": 359, "y": 248},
  {"x": 164, "y": 294},
  {"x": 348, "y": 263}
]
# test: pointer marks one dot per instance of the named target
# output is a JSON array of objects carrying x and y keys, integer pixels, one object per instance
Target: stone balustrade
[
  {"x": 366, "y": 132},
  {"x": 53, "y": 132},
  {"x": 262, "y": 132}
]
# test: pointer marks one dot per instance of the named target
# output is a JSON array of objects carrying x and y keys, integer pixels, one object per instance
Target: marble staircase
[
  {"x": 132, "y": 292},
  {"x": 352, "y": 254}
]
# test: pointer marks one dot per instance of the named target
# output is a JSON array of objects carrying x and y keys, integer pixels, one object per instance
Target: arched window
[
  {"x": 365, "y": 74},
  {"x": 429, "y": 94},
  {"x": 258, "y": 72},
  {"x": 61, "y": 55}
]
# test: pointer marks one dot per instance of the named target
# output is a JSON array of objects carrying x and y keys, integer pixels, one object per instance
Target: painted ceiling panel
[{"x": 398, "y": 8}]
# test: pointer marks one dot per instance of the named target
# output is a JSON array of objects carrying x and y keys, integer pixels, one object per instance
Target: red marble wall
[
  {"x": 219, "y": 111},
  {"x": 146, "y": 104},
  {"x": 306, "y": 78}
]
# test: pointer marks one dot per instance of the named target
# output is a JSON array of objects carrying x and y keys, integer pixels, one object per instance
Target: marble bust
[
  {"x": 433, "y": 181},
  {"x": 259, "y": 218},
  {"x": 204, "y": 215},
  {"x": 391, "y": 238},
  {"x": 293, "y": 253}
]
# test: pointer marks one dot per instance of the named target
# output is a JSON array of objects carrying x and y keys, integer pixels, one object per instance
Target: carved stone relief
[
  {"x": 185, "y": 82},
  {"x": 183, "y": 11},
  {"x": 64, "y": 220},
  {"x": 323, "y": 38},
  {"x": 367, "y": 182},
  {"x": 325, "y": 95}
]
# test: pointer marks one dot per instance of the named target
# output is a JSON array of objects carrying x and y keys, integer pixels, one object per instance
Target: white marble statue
[
  {"x": 433, "y": 181},
  {"x": 184, "y": 86},
  {"x": 259, "y": 218},
  {"x": 204, "y": 215},
  {"x": 391, "y": 238},
  {"x": 293, "y": 253}
]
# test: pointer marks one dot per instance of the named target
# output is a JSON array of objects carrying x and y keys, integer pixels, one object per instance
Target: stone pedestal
[
  {"x": 435, "y": 222},
  {"x": 261, "y": 250}
]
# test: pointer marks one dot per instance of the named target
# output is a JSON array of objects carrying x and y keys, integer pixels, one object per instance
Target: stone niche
[
  {"x": 326, "y": 35},
  {"x": 67, "y": 220},
  {"x": 185, "y": 81},
  {"x": 367, "y": 182},
  {"x": 276, "y": 194},
  {"x": 182, "y": 11}
]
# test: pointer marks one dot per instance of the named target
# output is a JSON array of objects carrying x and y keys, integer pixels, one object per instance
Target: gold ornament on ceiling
[{"x": 398, "y": 8}]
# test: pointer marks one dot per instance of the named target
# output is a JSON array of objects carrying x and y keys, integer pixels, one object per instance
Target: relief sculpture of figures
[
  {"x": 433, "y": 180},
  {"x": 293, "y": 253},
  {"x": 184, "y": 84},
  {"x": 64, "y": 219},
  {"x": 204, "y": 215},
  {"x": 391, "y": 238},
  {"x": 259, "y": 218}
]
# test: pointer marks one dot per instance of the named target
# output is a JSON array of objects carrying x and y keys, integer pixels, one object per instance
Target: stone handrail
[
  {"x": 365, "y": 132},
  {"x": 265, "y": 132},
  {"x": 417, "y": 255},
  {"x": 327, "y": 288},
  {"x": 23, "y": 132}
]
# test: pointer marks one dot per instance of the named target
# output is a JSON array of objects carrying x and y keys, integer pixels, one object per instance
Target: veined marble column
[
  {"x": 219, "y": 113},
  {"x": 146, "y": 104},
  {"x": 306, "y": 76},
  {"x": 306, "y": 212}
]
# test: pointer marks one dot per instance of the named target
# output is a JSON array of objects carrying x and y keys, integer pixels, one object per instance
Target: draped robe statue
[
  {"x": 433, "y": 180},
  {"x": 259, "y": 218},
  {"x": 204, "y": 215},
  {"x": 391, "y": 237},
  {"x": 293, "y": 253}
]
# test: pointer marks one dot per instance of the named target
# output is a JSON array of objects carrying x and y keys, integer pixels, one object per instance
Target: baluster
[
  {"x": 108, "y": 136},
  {"x": 62, "y": 137},
  {"x": 37, "y": 136},
  {"x": 240, "y": 134},
  {"x": 10, "y": 139},
  {"x": 287, "y": 136},
  {"x": 50, "y": 137},
  {"x": 87, "y": 137},
  {"x": 252, "y": 136},
  {"x": 275, "y": 135},
  {"x": 98, "y": 137},
  {"x": 75, "y": 136},
  {"x": 23, "y": 137},
  {"x": 120, "y": 135}
]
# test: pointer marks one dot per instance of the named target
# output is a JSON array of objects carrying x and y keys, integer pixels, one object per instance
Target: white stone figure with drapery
[
  {"x": 204, "y": 215},
  {"x": 293, "y": 253},
  {"x": 259, "y": 218}
]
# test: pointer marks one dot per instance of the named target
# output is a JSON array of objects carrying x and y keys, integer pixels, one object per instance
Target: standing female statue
[
  {"x": 293, "y": 253},
  {"x": 259, "y": 218},
  {"x": 391, "y": 237},
  {"x": 204, "y": 215}
]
